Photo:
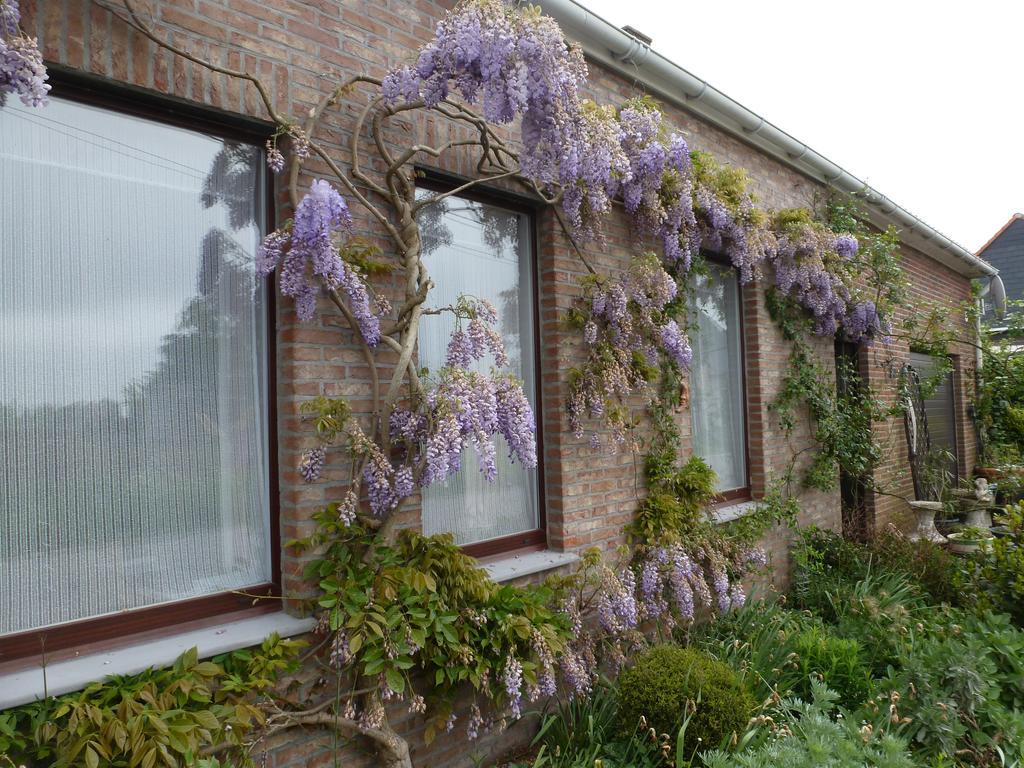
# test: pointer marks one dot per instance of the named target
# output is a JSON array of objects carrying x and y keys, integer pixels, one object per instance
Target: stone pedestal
[
  {"x": 979, "y": 515},
  {"x": 926, "y": 530}
]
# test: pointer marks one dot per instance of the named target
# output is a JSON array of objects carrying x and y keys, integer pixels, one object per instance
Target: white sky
[{"x": 922, "y": 100}]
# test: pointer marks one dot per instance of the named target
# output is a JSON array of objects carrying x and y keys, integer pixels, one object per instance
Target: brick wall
[
  {"x": 301, "y": 49},
  {"x": 930, "y": 284}
]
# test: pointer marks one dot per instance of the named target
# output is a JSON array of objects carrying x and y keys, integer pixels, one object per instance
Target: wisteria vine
[
  {"x": 22, "y": 72},
  {"x": 379, "y": 584}
]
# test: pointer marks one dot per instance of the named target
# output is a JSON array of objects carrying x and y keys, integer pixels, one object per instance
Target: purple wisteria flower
[
  {"x": 378, "y": 474},
  {"x": 675, "y": 344},
  {"x": 579, "y": 666},
  {"x": 616, "y": 603},
  {"x": 846, "y": 246},
  {"x": 806, "y": 267},
  {"x": 22, "y": 71},
  {"x": 862, "y": 322},
  {"x": 320, "y": 215},
  {"x": 657, "y": 191},
  {"x": 464, "y": 409},
  {"x": 10, "y": 18},
  {"x": 546, "y": 683},
  {"x": 515, "y": 65},
  {"x": 512, "y": 679},
  {"x": 312, "y": 464},
  {"x": 475, "y": 723},
  {"x": 275, "y": 159},
  {"x": 627, "y": 320},
  {"x": 479, "y": 338}
]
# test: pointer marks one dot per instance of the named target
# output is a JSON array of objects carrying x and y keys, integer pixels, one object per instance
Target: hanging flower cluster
[
  {"x": 516, "y": 62},
  {"x": 816, "y": 268},
  {"x": 21, "y": 63},
  {"x": 479, "y": 338},
  {"x": 657, "y": 191},
  {"x": 307, "y": 248},
  {"x": 627, "y": 327},
  {"x": 663, "y": 586},
  {"x": 591, "y": 167},
  {"x": 675, "y": 582},
  {"x": 464, "y": 408},
  {"x": 728, "y": 221}
]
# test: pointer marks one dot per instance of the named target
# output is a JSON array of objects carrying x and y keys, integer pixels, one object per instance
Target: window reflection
[
  {"x": 132, "y": 392},
  {"x": 483, "y": 251},
  {"x": 717, "y": 405}
]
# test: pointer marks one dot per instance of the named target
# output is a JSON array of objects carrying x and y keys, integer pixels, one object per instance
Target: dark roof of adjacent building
[{"x": 1005, "y": 251}]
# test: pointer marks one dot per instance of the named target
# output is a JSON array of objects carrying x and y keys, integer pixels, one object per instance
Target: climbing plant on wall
[{"x": 409, "y": 620}]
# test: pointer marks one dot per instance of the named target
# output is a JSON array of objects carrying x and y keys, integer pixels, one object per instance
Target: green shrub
[
  {"x": 755, "y": 641},
  {"x": 780, "y": 652},
  {"x": 993, "y": 579},
  {"x": 584, "y": 730},
  {"x": 824, "y": 560},
  {"x": 667, "y": 679},
  {"x": 837, "y": 661},
  {"x": 158, "y": 717},
  {"x": 931, "y": 567},
  {"x": 802, "y": 735}
]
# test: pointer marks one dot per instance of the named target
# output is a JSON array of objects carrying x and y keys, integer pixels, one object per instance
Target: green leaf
[
  {"x": 395, "y": 680},
  {"x": 355, "y": 643}
]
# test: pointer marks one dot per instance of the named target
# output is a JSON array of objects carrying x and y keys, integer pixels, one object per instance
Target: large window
[
  {"x": 717, "y": 392},
  {"x": 483, "y": 250},
  {"x": 133, "y": 387}
]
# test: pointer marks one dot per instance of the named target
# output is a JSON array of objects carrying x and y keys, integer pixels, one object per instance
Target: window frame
[
  {"x": 257, "y": 599},
  {"x": 743, "y": 492},
  {"x": 439, "y": 181}
]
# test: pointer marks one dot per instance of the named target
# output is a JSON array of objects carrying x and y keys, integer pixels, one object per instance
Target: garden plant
[{"x": 407, "y": 620}]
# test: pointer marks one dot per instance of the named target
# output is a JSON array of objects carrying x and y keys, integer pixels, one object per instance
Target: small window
[
  {"x": 482, "y": 250},
  {"x": 133, "y": 367},
  {"x": 717, "y": 387}
]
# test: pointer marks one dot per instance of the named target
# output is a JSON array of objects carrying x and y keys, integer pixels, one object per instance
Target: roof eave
[{"x": 635, "y": 60}]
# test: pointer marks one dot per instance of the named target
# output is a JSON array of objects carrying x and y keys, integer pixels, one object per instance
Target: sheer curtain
[
  {"x": 133, "y": 442},
  {"x": 482, "y": 251},
  {"x": 716, "y": 377}
]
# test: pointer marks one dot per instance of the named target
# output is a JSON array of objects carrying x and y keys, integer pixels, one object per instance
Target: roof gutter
[{"x": 636, "y": 60}]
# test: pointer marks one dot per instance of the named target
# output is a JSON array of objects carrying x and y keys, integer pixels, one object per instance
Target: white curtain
[
  {"x": 133, "y": 445},
  {"x": 481, "y": 251},
  {"x": 716, "y": 378}
]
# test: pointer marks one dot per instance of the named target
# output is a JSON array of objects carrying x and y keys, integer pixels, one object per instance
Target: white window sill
[
  {"x": 732, "y": 512},
  {"x": 527, "y": 564},
  {"x": 27, "y": 685}
]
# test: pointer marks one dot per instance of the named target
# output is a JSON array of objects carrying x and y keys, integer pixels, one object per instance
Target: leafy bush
[
  {"x": 677, "y": 495},
  {"x": 668, "y": 682},
  {"x": 879, "y": 611},
  {"x": 961, "y": 686},
  {"x": 780, "y": 652},
  {"x": 158, "y": 717},
  {"x": 826, "y": 561},
  {"x": 802, "y": 735},
  {"x": 582, "y": 731},
  {"x": 836, "y": 660},
  {"x": 993, "y": 578},
  {"x": 932, "y": 568},
  {"x": 755, "y": 641}
]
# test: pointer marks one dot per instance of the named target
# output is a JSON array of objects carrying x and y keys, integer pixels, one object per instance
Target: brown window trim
[
  {"x": 256, "y": 599},
  {"x": 734, "y": 496},
  {"x": 438, "y": 181},
  {"x": 744, "y": 492}
]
